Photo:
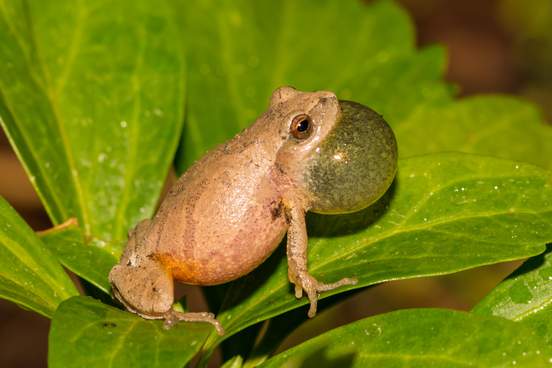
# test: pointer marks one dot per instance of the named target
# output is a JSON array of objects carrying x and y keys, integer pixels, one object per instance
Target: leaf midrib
[
  {"x": 46, "y": 306},
  {"x": 54, "y": 105},
  {"x": 534, "y": 309},
  {"x": 57, "y": 202},
  {"x": 120, "y": 342},
  {"x": 419, "y": 227},
  {"x": 318, "y": 266},
  {"x": 32, "y": 266}
]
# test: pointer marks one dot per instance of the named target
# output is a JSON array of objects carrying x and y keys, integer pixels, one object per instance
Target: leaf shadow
[
  {"x": 283, "y": 325},
  {"x": 329, "y": 226},
  {"x": 532, "y": 263}
]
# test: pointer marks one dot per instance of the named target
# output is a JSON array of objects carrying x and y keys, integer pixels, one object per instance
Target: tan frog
[{"x": 231, "y": 209}]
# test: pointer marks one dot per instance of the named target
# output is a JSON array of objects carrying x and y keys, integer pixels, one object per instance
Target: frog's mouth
[{"x": 355, "y": 164}]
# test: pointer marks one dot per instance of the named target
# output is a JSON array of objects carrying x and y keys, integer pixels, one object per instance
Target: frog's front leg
[{"x": 298, "y": 273}]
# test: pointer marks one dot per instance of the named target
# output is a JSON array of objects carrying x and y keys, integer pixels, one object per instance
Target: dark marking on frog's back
[{"x": 276, "y": 209}]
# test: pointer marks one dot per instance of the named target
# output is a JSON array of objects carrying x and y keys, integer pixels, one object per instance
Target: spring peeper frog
[{"x": 231, "y": 209}]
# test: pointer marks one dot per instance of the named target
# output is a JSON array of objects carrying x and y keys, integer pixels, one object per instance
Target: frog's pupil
[{"x": 303, "y": 126}]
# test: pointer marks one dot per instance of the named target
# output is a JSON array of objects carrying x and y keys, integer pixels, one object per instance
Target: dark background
[{"x": 494, "y": 46}]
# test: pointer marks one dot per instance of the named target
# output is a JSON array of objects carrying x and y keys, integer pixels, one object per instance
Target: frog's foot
[
  {"x": 313, "y": 288},
  {"x": 172, "y": 317}
]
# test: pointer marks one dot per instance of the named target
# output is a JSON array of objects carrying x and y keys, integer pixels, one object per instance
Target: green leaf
[
  {"x": 29, "y": 274},
  {"x": 237, "y": 59},
  {"x": 91, "y": 97},
  {"x": 87, "y": 333},
  {"x": 445, "y": 213},
  {"x": 526, "y": 296},
  {"x": 498, "y": 126},
  {"x": 90, "y": 262},
  {"x": 235, "y": 362},
  {"x": 421, "y": 338}
]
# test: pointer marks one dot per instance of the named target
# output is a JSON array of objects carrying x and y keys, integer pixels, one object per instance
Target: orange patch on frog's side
[{"x": 188, "y": 272}]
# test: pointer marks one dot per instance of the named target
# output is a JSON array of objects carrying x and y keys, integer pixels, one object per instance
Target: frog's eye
[{"x": 301, "y": 126}]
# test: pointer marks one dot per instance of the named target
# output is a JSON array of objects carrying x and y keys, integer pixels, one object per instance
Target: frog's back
[{"x": 222, "y": 218}]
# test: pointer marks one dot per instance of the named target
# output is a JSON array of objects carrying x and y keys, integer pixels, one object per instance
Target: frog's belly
[
  {"x": 216, "y": 257},
  {"x": 226, "y": 225}
]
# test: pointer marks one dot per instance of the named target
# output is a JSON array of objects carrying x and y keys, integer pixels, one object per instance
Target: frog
[{"x": 309, "y": 151}]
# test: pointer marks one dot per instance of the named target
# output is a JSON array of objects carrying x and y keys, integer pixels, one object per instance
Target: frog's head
[{"x": 342, "y": 154}]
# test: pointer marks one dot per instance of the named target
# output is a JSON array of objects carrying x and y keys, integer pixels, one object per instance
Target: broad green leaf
[
  {"x": 29, "y": 274},
  {"x": 92, "y": 263},
  {"x": 237, "y": 58},
  {"x": 498, "y": 126},
  {"x": 445, "y": 213},
  {"x": 421, "y": 338},
  {"x": 91, "y": 97},
  {"x": 526, "y": 296},
  {"x": 87, "y": 333}
]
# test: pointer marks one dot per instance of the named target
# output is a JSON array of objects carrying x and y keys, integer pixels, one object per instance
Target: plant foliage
[{"x": 96, "y": 96}]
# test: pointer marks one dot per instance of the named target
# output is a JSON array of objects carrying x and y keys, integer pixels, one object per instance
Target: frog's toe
[
  {"x": 313, "y": 288},
  {"x": 313, "y": 299},
  {"x": 172, "y": 317},
  {"x": 334, "y": 285},
  {"x": 298, "y": 291}
]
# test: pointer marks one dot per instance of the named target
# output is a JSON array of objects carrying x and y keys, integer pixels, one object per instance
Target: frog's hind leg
[
  {"x": 143, "y": 286},
  {"x": 146, "y": 288}
]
